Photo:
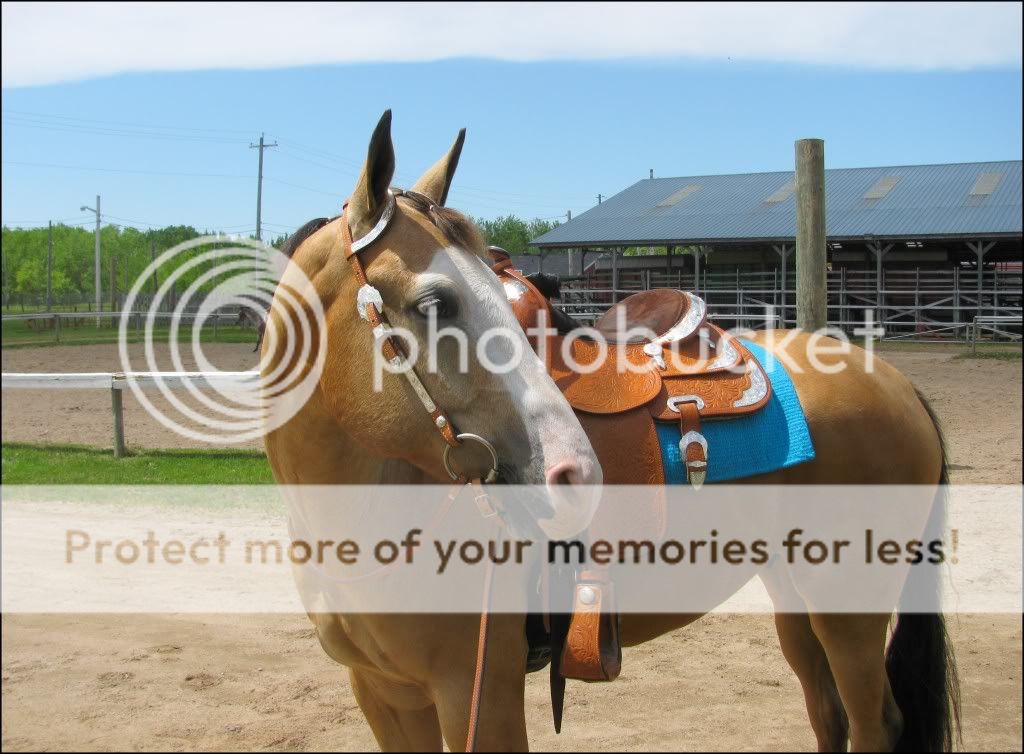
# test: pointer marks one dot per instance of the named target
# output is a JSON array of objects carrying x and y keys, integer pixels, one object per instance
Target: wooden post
[
  {"x": 116, "y": 404},
  {"x": 811, "y": 286}
]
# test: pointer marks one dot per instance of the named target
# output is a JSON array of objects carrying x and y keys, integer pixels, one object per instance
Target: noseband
[{"x": 370, "y": 306}]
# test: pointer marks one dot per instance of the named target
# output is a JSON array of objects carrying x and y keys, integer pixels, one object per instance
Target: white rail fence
[{"x": 117, "y": 383}]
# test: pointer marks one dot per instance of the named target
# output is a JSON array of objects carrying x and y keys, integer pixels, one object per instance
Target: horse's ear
[
  {"x": 371, "y": 192},
  {"x": 436, "y": 181}
]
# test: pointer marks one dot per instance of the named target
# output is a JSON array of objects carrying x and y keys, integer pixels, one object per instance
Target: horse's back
[{"x": 867, "y": 421}]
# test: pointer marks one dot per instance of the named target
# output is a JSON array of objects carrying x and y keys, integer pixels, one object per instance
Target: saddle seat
[{"x": 656, "y": 311}]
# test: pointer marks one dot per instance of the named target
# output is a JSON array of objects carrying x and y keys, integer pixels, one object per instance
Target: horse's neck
[{"x": 314, "y": 449}]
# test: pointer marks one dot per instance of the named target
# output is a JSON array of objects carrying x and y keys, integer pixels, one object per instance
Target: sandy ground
[{"x": 262, "y": 682}]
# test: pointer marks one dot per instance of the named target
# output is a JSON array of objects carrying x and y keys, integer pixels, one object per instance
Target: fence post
[
  {"x": 917, "y": 300},
  {"x": 118, "y": 409},
  {"x": 956, "y": 302},
  {"x": 844, "y": 314},
  {"x": 56, "y": 326},
  {"x": 811, "y": 284}
]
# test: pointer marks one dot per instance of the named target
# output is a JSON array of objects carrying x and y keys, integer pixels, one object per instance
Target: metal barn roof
[{"x": 975, "y": 199}]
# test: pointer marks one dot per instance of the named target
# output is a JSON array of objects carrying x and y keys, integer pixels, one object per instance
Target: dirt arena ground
[{"x": 172, "y": 682}]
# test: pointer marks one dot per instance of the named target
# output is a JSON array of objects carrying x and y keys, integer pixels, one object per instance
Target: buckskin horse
[{"x": 401, "y": 255}]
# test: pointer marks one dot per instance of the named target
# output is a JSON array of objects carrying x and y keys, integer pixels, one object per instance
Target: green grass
[
  {"x": 18, "y": 334},
  {"x": 992, "y": 353},
  {"x": 59, "y": 306},
  {"x": 78, "y": 464},
  {"x": 999, "y": 350}
]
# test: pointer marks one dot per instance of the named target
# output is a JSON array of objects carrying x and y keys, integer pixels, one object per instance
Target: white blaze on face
[{"x": 515, "y": 405}]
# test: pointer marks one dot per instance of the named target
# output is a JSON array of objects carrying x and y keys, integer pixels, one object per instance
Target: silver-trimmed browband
[{"x": 377, "y": 230}]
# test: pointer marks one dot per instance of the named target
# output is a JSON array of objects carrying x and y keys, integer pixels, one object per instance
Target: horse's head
[{"x": 430, "y": 263}]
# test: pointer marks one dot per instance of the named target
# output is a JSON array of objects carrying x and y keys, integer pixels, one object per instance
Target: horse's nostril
[{"x": 564, "y": 473}]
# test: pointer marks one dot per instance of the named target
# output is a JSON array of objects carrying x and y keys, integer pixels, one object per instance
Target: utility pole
[
  {"x": 599, "y": 197},
  {"x": 568, "y": 216},
  {"x": 49, "y": 267},
  {"x": 99, "y": 294},
  {"x": 259, "y": 186}
]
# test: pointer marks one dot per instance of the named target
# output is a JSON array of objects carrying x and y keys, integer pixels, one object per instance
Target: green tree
[{"x": 514, "y": 234}]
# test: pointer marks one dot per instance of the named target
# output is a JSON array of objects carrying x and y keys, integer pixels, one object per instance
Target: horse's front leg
[{"x": 402, "y": 718}]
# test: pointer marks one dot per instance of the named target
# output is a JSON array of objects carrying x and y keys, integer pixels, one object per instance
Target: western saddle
[{"x": 650, "y": 358}]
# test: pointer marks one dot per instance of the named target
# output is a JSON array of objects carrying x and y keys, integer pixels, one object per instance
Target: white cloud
[{"x": 49, "y": 43}]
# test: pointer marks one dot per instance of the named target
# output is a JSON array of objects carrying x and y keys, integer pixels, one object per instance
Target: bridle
[{"x": 370, "y": 306}]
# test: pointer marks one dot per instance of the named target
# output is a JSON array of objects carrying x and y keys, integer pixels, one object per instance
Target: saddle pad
[{"x": 775, "y": 437}]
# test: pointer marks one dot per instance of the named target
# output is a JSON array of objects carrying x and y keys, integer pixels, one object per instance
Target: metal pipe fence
[{"x": 907, "y": 303}]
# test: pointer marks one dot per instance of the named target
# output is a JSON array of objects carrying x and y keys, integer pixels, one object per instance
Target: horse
[{"x": 413, "y": 675}]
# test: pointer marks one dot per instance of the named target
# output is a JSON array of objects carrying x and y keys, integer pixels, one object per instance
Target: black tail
[{"x": 919, "y": 661}]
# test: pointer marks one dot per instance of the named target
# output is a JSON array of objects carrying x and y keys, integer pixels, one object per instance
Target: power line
[
  {"x": 21, "y": 122},
  {"x": 40, "y": 222},
  {"x": 335, "y": 194},
  {"x": 78, "y": 124},
  {"x": 120, "y": 123},
  {"x": 358, "y": 166},
  {"x": 91, "y": 168}
]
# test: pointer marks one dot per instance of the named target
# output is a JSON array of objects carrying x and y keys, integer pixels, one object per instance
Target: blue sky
[{"x": 544, "y": 137}]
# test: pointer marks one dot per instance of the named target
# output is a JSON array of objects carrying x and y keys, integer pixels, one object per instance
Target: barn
[{"x": 924, "y": 248}]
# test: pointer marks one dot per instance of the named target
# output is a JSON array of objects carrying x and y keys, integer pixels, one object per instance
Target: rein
[{"x": 370, "y": 306}]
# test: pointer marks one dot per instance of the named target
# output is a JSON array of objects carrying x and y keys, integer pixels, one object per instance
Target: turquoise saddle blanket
[{"x": 775, "y": 437}]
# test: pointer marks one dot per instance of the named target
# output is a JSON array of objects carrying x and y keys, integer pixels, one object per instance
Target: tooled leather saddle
[{"x": 650, "y": 358}]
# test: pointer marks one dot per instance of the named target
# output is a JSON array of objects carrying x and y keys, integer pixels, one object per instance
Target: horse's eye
[{"x": 442, "y": 306}]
